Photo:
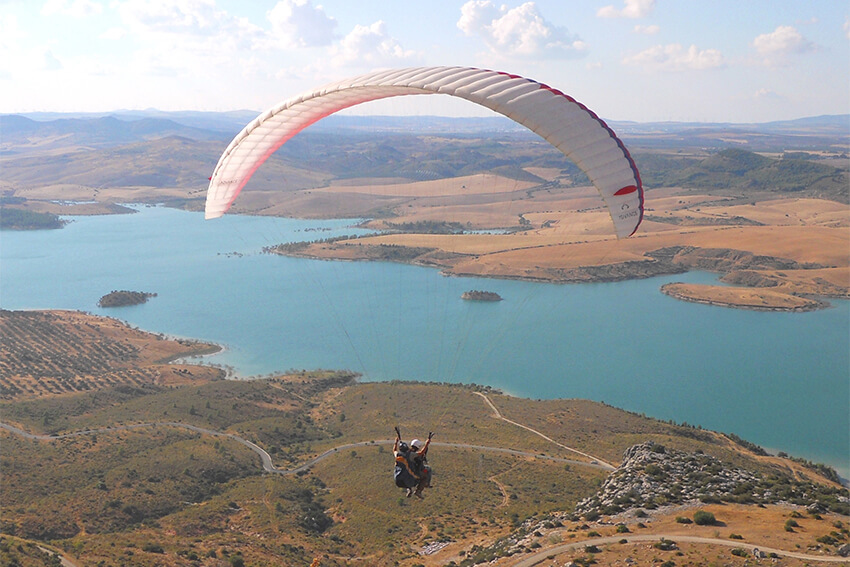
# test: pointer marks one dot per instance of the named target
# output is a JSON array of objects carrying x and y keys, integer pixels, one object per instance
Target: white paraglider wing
[{"x": 563, "y": 122}]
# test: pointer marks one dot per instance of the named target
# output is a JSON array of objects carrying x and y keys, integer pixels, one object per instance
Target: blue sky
[{"x": 641, "y": 60}]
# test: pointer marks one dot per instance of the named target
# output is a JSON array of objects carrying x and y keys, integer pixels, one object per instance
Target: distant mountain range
[
  {"x": 180, "y": 149},
  {"x": 122, "y": 127},
  {"x": 25, "y": 133}
]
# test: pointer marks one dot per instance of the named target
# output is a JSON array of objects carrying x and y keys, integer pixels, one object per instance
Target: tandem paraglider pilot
[{"x": 412, "y": 471}]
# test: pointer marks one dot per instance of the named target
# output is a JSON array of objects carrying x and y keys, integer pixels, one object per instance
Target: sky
[{"x": 638, "y": 60}]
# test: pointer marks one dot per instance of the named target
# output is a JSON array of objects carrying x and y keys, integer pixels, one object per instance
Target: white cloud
[
  {"x": 73, "y": 8},
  {"x": 113, "y": 33},
  {"x": 297, "y": 23},
  {"x": 183, "y": 16},
  {"x": 370, "y": 46},
  {"x": 10, "y": 32},
  {"x": 766, "y": 94},
  {"x": 674, "y": 57},
  {"x": 12, "y": 57},
  {"x": 632, "y": 9},
  {"x": 647, "y": 30},
  {"x": 518, "y": 32},
  {"x": 847, "y": 27},
  {"x": 184, "y": 36},
  {"x": 775, "y": 46}
]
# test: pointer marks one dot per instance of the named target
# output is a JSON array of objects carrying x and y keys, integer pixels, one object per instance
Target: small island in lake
[
  {"x": 476, "y": 295},
  {"x": 123, "y": 298}
]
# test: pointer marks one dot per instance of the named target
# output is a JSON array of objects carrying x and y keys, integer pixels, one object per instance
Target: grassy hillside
[
  {"x": 160, "y": 495},
  {"x": 156, "y": 493}
]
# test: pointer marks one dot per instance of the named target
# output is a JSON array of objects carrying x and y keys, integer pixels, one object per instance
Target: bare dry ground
[{"x": 739, "y": 527}]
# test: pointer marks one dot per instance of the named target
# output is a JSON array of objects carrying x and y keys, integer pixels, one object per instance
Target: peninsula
[{"x": 741, "y": 297}]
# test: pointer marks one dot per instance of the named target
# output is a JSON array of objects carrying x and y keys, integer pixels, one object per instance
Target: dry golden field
[{"x": 559, "y": 230}]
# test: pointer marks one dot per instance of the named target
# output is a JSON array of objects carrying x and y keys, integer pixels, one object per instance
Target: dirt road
[
  {"x": 268, "y": 464},
  {"x": 538, "y": 558}
]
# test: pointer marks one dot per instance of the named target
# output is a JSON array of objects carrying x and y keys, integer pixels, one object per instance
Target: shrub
[
  {"x": 703, "y": 518},
  {"x": 622, "y": 529},
  {"x": 683, "y": 520},
  {"x": 153, "y": 548},
  {"x": 653, "y": 470},
  {"x": 740, "y": 552}
]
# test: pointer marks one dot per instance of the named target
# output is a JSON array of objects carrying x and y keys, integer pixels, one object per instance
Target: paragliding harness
[
  {"x": 404, "y": 475},
  {"x": 410, "y": 470}
]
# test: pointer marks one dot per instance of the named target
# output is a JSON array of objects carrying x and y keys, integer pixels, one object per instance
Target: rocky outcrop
[{"x": 652, "y": 475}]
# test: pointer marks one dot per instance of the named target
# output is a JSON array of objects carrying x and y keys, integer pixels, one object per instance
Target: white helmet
[{"x": 416, "y": 443}]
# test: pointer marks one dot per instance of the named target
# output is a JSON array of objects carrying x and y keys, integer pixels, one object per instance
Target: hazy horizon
[
  {"x": 151, "y": 112},
  {"x": 628, "y": 60}
]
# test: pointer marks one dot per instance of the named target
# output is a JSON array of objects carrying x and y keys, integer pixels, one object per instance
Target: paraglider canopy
[{"x": 565, "y": 123}]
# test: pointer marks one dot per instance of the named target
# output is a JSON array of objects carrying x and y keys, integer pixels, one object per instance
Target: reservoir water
[{"x": 781, "y": 380}]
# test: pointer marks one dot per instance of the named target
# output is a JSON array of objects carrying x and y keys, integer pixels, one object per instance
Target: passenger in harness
[
  {"x": 420, "y": 464},
  {"x": 411, "y": 469}
]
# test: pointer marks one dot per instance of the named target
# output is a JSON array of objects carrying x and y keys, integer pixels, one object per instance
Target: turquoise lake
[{"x": 781, "y": 380}]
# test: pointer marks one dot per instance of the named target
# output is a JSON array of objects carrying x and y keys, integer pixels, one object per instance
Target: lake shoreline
[
  {"x": 277, "y": 313},
  {"x": 619, "y": 272},
  {"x": 153, "y": 342},
  {"x": 707, "y": 297}
]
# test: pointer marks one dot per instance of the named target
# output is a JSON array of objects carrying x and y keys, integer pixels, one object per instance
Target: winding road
[
  {"x": 498, "y": 415},
  {"x": 268, "y": 464},
  {"x": 541, "y": 556},
  {"x": 530, "y": 561}
]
